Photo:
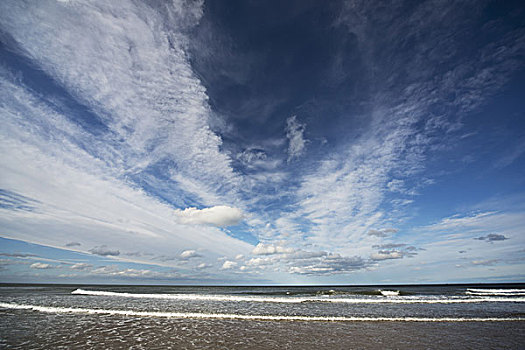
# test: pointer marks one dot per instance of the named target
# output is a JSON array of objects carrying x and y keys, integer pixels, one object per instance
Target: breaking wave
[
  {"x": 389, "y": 293},
  {"x": 68, "y": 310},
  {"x": 495, "y": 292},
  {"x": 293, "y": 299}
]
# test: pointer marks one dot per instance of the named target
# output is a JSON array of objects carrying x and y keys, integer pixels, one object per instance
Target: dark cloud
[
  {"x": 73, "y": 244},
  {"x": 104, "y": 251},
  {"x": 492, "y": 237},
  {"x": 394, "y": 251}
]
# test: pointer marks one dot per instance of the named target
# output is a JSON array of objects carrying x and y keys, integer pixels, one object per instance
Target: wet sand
[{"x": 22, "y": 329}]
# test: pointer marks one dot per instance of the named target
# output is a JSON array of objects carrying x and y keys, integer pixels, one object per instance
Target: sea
[{"x": 485, "y": 316}]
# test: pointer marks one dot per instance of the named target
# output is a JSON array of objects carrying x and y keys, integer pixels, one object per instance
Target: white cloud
[
  {"x": 115, "y": 271},
  {"x": 261, "y": 261},
  {"x": 150, "y": 108},
  {"x": 203, "y": 266},
  {"x": 396, "y": 185},
  {"x": 296, "y": 141},
  {"x": 487, "y": 262},
  {"x": 217, "y": 216},
  {"x": 481, "y": 222},
  {"x": 81, "y": 266},
  {"x": 41, "y": 266},
  {"x": 383, "y": 255},
  {"x": 140, "y": 86},
  {"x": 228, "y": 264},
  {"x": 268, "y": 249},
  {"x": 188, "y": 254}
]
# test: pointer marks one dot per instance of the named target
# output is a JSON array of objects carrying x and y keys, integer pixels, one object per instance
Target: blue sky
[{"x": 258, "y": 142}]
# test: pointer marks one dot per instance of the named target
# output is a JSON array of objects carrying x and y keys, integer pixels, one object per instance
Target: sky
[{"x": 262, "y": 142}]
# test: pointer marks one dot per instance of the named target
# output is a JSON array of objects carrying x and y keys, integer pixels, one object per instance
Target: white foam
[
  {"x": 194, "y": 315},
  {"x": 326, "y": 299},
  {"x": 389, "y": 293},
  {"x": 495, "y": 292}
]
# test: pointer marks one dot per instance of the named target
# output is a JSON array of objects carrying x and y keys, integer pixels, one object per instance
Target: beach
[{"x": 145, "y": 317}]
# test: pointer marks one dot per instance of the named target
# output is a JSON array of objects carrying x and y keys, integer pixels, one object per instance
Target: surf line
[
  {"x": 194, "y": 315},
  {"x": 292, "y": 300}
]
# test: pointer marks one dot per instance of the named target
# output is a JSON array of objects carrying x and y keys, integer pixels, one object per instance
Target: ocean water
[{"x": 329, "y": 317}]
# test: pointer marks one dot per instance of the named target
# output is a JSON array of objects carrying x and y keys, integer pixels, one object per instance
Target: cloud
[
  {"x": 397, "y": 185},
  {"x": 294, "y": 133},
  {"x": 203, "y": 266},
  {"x": 302, "y": 254},
  {"x": 145, "y": 147},
  {"x": 331, "y": 264},
  {"x": 228, "y": 265},
  {"x": 81, "y": 266},
  {"x": 116, "y": 138},
  {"x": 389, "y": 245},
  {"x": 269, "y": 249},
  {"x": 257, "y": 262},
  {"x": 393, "y": 251},
  {"x": 73, "y": 244},
  {"x": 41, "y": 266},
  {"x": 114, "y": 271},
  {"x": 17, "y": 255},
  {"x": 252, "y": 155},
  {"x": 488, "y": 262},
  {"x": 188, "y": 254},
  {"x": 103, "y": 250},
  {"x": 381, "y": 233},
  {"x": 217, "y": 216},
  {"x": 345, "y": 193},
  {"x": 387, "y": 254},
  {"x": 137, "y": 254},
  {"x": 492, "y": 237},
  {"x": 512, "y": 156}
]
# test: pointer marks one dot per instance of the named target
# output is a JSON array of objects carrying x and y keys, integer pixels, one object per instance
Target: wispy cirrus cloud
[
  {"x": 350, "y": 193},
  {"x": 135, "y": 146},
  {"x": 102, "y": 103},
  {"x": 295, "y": 134}
]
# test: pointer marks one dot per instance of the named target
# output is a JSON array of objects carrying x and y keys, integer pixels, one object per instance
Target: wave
[
  {"x": 194, "y": 315},
  {"x": 495, "y": 292},
  {"x": 326, "y": 299},
  {"x": 389, "y": 293}
]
